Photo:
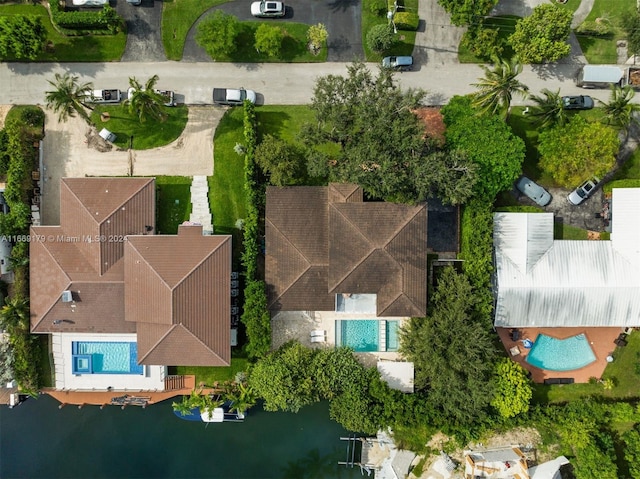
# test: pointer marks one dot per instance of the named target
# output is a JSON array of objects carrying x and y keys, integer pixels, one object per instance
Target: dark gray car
[{"x": 534, "y": 191}]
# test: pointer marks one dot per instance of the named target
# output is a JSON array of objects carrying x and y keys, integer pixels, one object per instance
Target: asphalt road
[{"x": 279, "y": 84}]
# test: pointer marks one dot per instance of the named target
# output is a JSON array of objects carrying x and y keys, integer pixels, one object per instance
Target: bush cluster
[
  {"x": 595, "y": 29},
  {"x": 255, "y": 315},
  {"x": 104, "y": 21},
  {"x": 406, "y": 21}
]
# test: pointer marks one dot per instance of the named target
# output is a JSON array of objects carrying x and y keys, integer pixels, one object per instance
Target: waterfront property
[
  {"x": 570, "y": 299},
  {"x": 120, "y": 302}
]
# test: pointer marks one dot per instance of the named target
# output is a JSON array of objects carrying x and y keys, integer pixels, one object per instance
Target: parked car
[
  {"x": 534, "y": 191},
  {"x": 268, "y": 9},
  {"x": 232, "y": 96},
  {"x": 583, "y": 191},
  {"x": 580, "y": 102},
  {"x": 90, "y": 3},
  {"x": 166, "y": 93},
  {"x": 134, "y": 2},
  {"x": 398, "y": 63}
]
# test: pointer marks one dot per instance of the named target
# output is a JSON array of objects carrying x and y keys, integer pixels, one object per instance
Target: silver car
[
  {"x": 534, "y": 191},
  {"x": 583, "y": 191}
]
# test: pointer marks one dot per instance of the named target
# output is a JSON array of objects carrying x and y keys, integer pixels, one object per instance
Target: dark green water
[{"x": 37, "y": 440}]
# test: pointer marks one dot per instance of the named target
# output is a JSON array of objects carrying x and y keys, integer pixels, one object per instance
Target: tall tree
[
  {"x": 268, "y": 39},
  {"x": 217, "y": 34},
  {"x": 620, "y": 111},
  {"x": 497, "y": 87},
  {"x": 378, "y": 141},
  {"x": 145, "y": 101},
  {"x": 453, "y": 369},
  {"x": 281, "y": 161},
  {"x": 549, "y": 109},
  {"x": 488, "y": 142},
  {"x": 542, "y": 36},
  {"x": 69, "y": 97},
  {"x": 577, "y": 150}
]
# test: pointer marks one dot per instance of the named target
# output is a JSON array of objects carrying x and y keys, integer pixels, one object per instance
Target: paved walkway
[{"x": 200, "y": 212}]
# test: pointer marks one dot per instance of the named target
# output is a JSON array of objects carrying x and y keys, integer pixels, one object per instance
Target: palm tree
[
  {"x": 242, "y": 398},
  {"x": 184, "y": 407},
  {"x": 549, "y": 109},
  {"x": 498, "y": 86},
  {"x": 145, "y": 101},
  {"x": 14, "y": 315},
  {"x": 619, "y": 110},
  {"x": 69, "y": 97}
]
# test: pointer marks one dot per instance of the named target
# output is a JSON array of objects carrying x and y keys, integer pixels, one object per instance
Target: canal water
[{"x": 38, "y": 440}]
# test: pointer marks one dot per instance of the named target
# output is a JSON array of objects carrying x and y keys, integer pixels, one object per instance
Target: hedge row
[
  {"x": 104, "y": 21},
  {"x": 406, "y": 20},
  {"x": 255, "y": 315}
]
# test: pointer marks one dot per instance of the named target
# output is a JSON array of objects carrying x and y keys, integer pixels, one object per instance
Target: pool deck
[
  {"x": 298, "y": 325},
  {"x": 600, "y": 339}
]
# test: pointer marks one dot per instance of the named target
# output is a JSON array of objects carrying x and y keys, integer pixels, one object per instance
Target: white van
[{"x": 599, "y": 76}]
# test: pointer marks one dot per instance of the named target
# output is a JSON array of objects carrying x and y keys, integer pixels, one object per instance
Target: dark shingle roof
[{"x": 325, "y": 239}]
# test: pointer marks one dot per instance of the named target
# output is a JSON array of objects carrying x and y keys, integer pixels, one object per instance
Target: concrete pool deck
[
  {"x": 298, "y": 325},
  {"x": 601, "y": 341}
]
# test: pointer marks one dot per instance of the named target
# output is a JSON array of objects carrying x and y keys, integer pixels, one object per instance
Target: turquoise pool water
[
  {"x": 98, "y": 357},
  {"x": 561, "y": 354},
  {"x": 363, "y": 335}
]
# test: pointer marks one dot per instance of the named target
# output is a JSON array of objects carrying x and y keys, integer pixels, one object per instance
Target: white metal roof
[{"x": 570, "y": 283}]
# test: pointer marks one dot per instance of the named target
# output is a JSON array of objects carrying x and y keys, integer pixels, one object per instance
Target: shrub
[
  {"x": 105, "y": 21},
  {"x": 381, "y": 38},
  {"x": 217, "y": 34},
  {"x": 406, "y": 20},
  {"x": 317, "y": 36},
  {"x": 595, "y": 29},
  {"x": 268, "y": 40},
  {"x": 378, "y": 7},
  {"x": 484, "y": 42},
  {"x": 32, "y": 116}
]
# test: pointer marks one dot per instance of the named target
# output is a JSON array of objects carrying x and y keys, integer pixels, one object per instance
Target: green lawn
[
  {"x": 406, "y": 39},
  {"x": 178, "y": 16},
  {"x": 174, "y": 202},
  {"x": 87, "y": 48},
  {"x": 294, "y": 45},
  {"x": 210, "y": 375},
  {"x": 624, "y": 371},
  {"x": 143, "y": 136},
  {"x": 603, "y": 50},
  {"x": 226, "y": 186},
  {"x": 505, "y": 25}
]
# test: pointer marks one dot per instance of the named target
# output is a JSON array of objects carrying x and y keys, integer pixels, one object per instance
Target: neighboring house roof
[
  {"x": 173, "y": 291},
  {"x": 177, "y": 299},
  {"x": 543, "y": 282},
  {"x": 503, "y": 463},
  {"x": 550, "y": 469},
  {"x": 322, "y": 241}
]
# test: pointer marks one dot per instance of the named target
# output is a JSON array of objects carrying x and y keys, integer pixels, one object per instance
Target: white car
[
  {"x": 90, "y": 3},
  {"x": 534, "y": 191},
  {"x": 267, "y": 8},
  {"x": 583, "y": 191},
  {"x": 166, "y": 93}
]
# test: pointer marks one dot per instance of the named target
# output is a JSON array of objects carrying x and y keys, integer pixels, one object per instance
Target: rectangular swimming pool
[
  {"x": 103, "y": 357},
  {"x": 367, "y": 335}
]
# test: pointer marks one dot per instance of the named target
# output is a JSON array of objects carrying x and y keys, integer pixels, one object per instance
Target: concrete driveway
[
  {"x": 341, "y": 17},
  {"x": 71, "y": 149},
  {"x": 144, "y": 25}
]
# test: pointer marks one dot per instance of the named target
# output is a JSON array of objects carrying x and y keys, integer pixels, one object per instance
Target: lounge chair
[
  {"x": 515, "y": 351},
  {"x": 318, "y": 336}
]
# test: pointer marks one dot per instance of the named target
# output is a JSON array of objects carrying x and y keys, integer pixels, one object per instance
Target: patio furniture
[
  {"x": 318, "y": 336},
  {"x": 559, "y": 381},
  {"x": 515, "y": 351},
  {"x": 620, "y": 342},
  {"x": 515, "y": 334}
]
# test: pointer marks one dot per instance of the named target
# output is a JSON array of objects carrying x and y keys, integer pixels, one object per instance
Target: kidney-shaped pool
[{"x": 561, "y": 354}]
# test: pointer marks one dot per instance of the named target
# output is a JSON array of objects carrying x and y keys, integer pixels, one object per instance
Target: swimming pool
[
  {"x": 561, "y": 354},
  {"x": 103, "y": 357},
  {"x": 364, "y": 335}
]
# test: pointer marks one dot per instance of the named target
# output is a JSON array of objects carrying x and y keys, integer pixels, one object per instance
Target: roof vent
[{"x": 67, "y": 297}]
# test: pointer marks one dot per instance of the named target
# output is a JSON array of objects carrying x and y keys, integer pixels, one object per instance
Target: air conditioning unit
[{"x": 67, "y": 297}]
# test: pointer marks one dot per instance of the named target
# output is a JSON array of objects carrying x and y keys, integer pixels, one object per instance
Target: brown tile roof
[
  {"x": 173, "y": 291},
  {"x": 178, "y": 291},
  {"x": 327, "y": 239},
  {"x": 67, "y": 257}
]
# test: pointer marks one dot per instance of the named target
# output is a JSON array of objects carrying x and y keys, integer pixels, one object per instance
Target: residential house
[
  {"x": 120, "y": 302},
  {"x": 511, "y": 463},
  {"x": 550, "y": 291},
  {"x": 341, "y": 259}
]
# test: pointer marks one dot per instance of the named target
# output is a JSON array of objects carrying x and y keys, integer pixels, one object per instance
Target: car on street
[
  {"x": 580, "y": 102},
  {"x": 583, "y": 191},
  {"x": 267, "y": 9},
  {"x": 402, "y": 63},
  {"x": 534, "y": 191},
  {"x": 90, "y": 3},
  {"x": 168, "y": 94},
  {"x": 232, "y": 96}
]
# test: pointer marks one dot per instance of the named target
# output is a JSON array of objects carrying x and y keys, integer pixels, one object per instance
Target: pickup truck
[
  {"x": 105, "y": 96},
  {"x": 232, "y": 96}
]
